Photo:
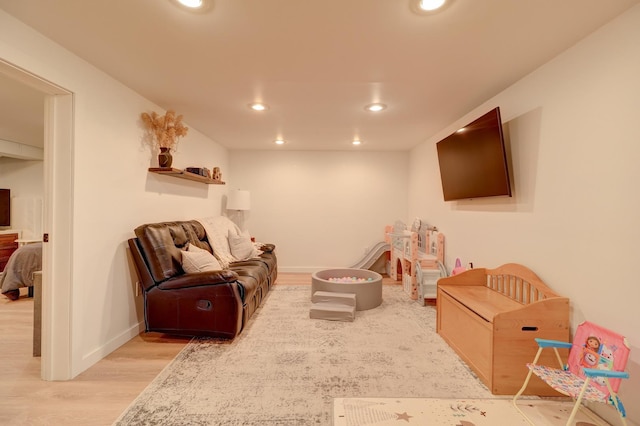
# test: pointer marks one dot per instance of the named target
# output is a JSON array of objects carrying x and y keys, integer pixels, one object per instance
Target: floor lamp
[{"x": 239, "y": 201}]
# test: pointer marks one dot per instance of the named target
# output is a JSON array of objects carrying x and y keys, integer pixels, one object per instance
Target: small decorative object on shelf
[
  {"x": 217, "y": 174},
  {"x": 165, "y": 159},
  {"x": 163, "y": 133},
  {"x": 202, "y": 171}
]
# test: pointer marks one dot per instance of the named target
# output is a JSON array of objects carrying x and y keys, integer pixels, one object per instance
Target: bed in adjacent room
[{"x": 20, "y": 268}]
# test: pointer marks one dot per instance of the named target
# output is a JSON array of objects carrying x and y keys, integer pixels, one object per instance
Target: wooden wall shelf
[{"x": 182, "y": 174}]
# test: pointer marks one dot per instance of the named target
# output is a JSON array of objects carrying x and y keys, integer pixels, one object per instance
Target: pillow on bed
[
  {"x": 241, "y": 246},
  {"x": 195, "y": 259}
]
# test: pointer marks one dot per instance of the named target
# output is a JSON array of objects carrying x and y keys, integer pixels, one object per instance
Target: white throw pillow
[
  {"x": 195, "y": 259},
  {"x": 194, "y": 248},
  {"x": 241, "y": 246}
]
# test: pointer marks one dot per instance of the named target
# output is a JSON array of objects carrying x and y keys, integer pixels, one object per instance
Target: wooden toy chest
[{"x": 490, "y": 317}]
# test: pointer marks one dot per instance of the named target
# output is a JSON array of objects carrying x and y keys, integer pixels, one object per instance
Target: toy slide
[{"x": 372, "y": 256}]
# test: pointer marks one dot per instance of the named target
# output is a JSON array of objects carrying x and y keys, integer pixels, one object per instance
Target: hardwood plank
[{"x": 97, "y": 396}]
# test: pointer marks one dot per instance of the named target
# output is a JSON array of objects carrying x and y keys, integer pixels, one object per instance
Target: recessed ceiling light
[
  {"x": 258, "y": 106},
  {"x": 428, "y": 6},
  {"x": 356, "y": 142},
  {"x": 375, "y": 107},
  {"x": 193, "y": 5},
  {"x": 279, "y": 142}
]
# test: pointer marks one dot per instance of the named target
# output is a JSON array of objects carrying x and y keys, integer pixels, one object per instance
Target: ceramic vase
[{"x": 165, "y": 158}]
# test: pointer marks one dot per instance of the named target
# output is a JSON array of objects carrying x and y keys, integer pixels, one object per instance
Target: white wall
[
  {"x": 321, "y": 208},
  {"x": 112, "y": 192},
  {"x": 573, "y": 218},
  {"x": 25, "y": 179}
]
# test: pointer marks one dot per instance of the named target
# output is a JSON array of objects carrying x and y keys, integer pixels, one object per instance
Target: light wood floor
[{"x": 95, "y": 397}]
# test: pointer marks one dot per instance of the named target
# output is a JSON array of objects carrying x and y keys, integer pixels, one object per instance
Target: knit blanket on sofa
[{"x": 218, "y": 229}]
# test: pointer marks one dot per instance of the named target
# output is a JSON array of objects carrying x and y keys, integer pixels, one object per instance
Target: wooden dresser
[{"x": 8, "y": 245}]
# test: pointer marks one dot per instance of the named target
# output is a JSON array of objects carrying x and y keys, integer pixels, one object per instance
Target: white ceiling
[{"x": 317, "y": 63}]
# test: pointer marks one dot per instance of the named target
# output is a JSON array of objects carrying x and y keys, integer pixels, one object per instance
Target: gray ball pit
[{"x": 368, "y": 293}]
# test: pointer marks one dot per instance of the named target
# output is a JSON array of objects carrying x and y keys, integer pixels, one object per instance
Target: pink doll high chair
[{"x": 594, "y": 369}]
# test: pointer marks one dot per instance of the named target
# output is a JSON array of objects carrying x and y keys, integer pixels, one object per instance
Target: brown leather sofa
[{"x": 212, "y": 303}]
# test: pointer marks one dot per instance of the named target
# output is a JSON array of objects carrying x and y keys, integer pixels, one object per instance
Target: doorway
[{"x": 56, "y": 359}]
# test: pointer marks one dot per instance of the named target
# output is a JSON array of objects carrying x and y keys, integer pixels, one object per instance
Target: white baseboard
[{"x": 99, "y": 353}]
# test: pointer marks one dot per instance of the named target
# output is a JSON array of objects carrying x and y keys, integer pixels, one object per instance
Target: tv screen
[
  {"x": 473, "y": 160},
  {"x": 5, "y": 207}
]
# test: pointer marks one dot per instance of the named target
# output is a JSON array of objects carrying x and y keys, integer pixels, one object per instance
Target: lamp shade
[{"x": 239, "y": 200}]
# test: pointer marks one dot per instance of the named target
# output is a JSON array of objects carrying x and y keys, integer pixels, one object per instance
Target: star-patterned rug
[{"x": 455, "y": 412}]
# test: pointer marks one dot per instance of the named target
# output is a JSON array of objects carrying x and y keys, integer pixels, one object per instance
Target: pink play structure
[{"x": 416, "y": 258}]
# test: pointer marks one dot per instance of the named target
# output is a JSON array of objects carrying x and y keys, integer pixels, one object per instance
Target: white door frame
[{"x": 57, "y": 279}]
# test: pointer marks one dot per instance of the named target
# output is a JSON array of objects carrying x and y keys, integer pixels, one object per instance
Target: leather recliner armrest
[
  {"x": 199, "y": 279},
  {"x": 268, "y": 248}
]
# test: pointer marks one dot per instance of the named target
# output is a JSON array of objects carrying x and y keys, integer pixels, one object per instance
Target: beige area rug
[
  {"x": 456, "y": 412},
  {"x": 286, "y": 369}
]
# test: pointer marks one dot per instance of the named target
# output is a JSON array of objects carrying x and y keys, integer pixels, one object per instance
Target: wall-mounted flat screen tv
[
  {"x": 5, "y": 207},
  {"x": 473, "y": 160}
]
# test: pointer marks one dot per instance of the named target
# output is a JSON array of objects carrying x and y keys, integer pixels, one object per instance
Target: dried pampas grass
[{"x": 164, "y": 129}]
